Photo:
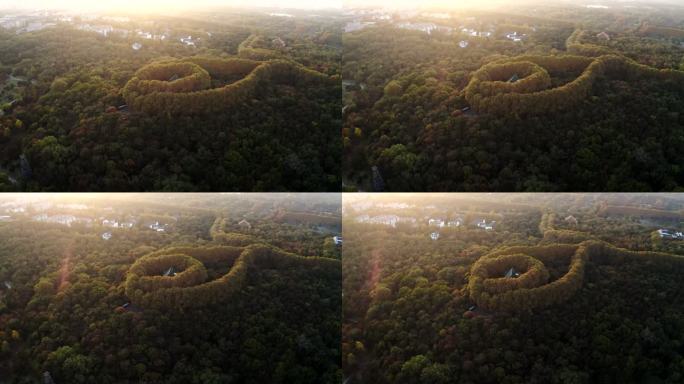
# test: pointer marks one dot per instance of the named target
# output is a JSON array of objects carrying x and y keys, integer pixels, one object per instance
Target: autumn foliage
[
  {"x": 491, "y": 290},
  {"x": 147, "y": 287},
  {"x": 489, "y": 90},
  {"x": 181, "y": 87}
]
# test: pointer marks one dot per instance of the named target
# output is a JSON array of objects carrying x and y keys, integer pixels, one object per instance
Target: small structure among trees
[
  {"x": 512, "y": 273},
  {"x": 244, "y": 224}
]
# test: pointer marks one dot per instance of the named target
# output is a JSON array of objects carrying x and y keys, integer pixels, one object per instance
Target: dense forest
[
  {"x": 559, "y": 291},
  {"x": 539, "y": 98},
  {"x": 172, "y": 104},
  {"x": 171, "y": 306}
]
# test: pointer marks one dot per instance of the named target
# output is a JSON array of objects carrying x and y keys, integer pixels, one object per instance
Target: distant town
[
  {"x": 108, "y": 26},
  {"x": 107, "y": 219}
]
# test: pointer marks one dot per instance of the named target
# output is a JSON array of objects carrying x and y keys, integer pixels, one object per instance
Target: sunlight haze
[{"x": 163, "y": 5}]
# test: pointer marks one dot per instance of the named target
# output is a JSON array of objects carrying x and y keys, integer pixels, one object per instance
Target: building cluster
[
  {"x": 515, "y": 36},
  {"x": 101, "y": 25},
  {"x": 158, "y": 227},
  {"x": 47, "y": 212},
  {"x": 668, "y": 234},
  {"x": 487, "y": 226},
  {"x": 476, "y": 33},
  {"x": 188, "y": 41},
  {"x": 440, "y": 223},
  {"x": 26, "y": 23},
  {"x": 67, "y": 220}
]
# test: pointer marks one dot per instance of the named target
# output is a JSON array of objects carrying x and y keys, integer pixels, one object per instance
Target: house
[
  {"x": 476, "y": 33},
  {"x": 515, "y": 37},
  {"x": 603, "y": 36},
  {"x": 455, "y": 223},
  {"x": 337, "y": 240},
  {"x": 171, "y": 272},
  {"x": 110, "y": 223},
  {"x": 188, "y": 41},
  {"x": 5, "y": 218},
  {"x": 136, "y": 46},
  {"x": 434, "y": 235},
  {"x": 463, "y": 44},
  {"x": 571, "y": 220},
  {"x": 145, "y": 35},
  {"x": 486, "y": 226},
  {"x": 667, "y": 234},
  {"x": 436, "y": 223},
  {"x": 512, "y": 273},
  {"x": 157, "y": 227},
  {"x": 244, "y": 224},
  {"x": 127, "y": 224},
  {"x": 514, "y": 78},
  {"x": 106, "y": 236}
]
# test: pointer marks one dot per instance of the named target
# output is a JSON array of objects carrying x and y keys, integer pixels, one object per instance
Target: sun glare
[
  {"x": 164, "y": 6},
  {"x": 430, "y": 4}
]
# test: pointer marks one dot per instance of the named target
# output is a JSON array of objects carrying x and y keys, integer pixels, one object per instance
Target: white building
[
  {"x": 136, "y": 46},
  {"x": 515, "y": 36},
  {"x": 337, "y": 240},
  {"x": 434, "y": 235},
  {"x": 454, "y": 223},
  {"x": 485, "y": 225},
  {"x": 476, "y": 33},
  {"x": 110, "y": 223},
  {"x": 436, "y": 223},
  {"x": 145, "y": 35},
  {"x": 158, "y": 227},
  {"x": 188, "y": 41},
  {"x": 667, "y": 234},
  {"x": 106, "y": 236}
]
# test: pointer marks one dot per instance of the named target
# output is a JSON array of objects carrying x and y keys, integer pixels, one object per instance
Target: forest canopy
[
  {"x": 544, "y": 97},
  {"x": 171, "y": 103},
  {"x": 154, "y": 288}
]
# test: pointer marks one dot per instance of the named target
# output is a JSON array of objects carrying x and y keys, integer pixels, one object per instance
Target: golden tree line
[
  {"x": 147, "y": 287},
  {"x": 152, "y": 91},
  {"x": 489, "y": 90},
  {"x": 489, "y": 288}
]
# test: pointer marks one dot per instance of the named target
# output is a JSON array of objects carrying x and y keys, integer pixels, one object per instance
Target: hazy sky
[
  {"x": 423, "y": 3},
  {"x": 163, "y": 5},
  {"x": 455, "y": 4}
]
